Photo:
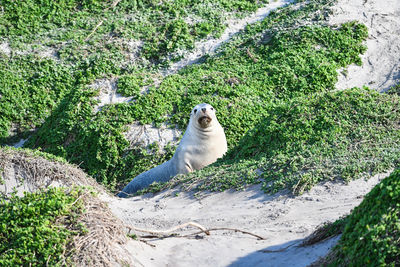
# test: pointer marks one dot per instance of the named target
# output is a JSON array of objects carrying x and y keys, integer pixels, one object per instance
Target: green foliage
[
  {"x": 30, "y": 88},
  {"x": 130, "y": 85},
  {"x": 164, "y": 27},
  {"x": 31, "y": 17},
  {"x": 372, "y": 234},
  {"x": 395, "y": 90},
  {"x": 305, "y": 140},
  {"x": 36, "y": 228},
  {"x": 245, "y": 81},
  {"x": 324, "y": 136}
]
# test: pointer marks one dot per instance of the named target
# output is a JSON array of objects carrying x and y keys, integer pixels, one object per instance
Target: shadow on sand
[{"x": 287, "y": 254}]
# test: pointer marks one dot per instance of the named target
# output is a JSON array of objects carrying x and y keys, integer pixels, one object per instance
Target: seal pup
[{"x": 203, "y": 143}]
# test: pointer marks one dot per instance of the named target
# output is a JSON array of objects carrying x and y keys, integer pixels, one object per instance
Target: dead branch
[
  {"x": 114, "y": 4},
  {"x": 232, "y": 229},
  {"x": 168, "y": 232},
  {"x": 251, "y": 55}
]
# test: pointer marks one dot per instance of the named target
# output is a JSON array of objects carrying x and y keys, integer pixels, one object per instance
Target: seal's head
[{"x": 204, "y": 115}]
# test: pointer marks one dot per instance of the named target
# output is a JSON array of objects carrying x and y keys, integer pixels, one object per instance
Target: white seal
[{"x": 203, "y": 143}]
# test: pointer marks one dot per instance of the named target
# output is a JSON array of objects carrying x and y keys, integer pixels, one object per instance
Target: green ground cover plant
[
  {"x": 372, "y": 233},
  {"x": 325, "y": 136},
  {"x": 35, "y": 229},
  {"x": 30, "y": 89},
  {"x": 272, "y": 61},
  {"x": 253, "y": 81},
  {"x": 79, "y": 28},
  {"x": 305, "y": 140}
]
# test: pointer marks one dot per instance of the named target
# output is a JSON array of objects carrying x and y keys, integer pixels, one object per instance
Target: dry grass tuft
[
  {"x": 103, "y": 244},
  {"x": 24, "y": 170},
  {"x": 324, "y": 232}
]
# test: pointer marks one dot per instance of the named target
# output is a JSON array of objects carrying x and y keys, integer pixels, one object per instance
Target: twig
[
  {"x": 251, "y": 55},
  {"x": 147, "y": 243},
  {"x": 76, "y": 200},
  {"x": 114, "y": 4},
  {"x": 167, "y": 232},
  {"x": 232, "y": 229},
  {"x": 93, "y": 31}
]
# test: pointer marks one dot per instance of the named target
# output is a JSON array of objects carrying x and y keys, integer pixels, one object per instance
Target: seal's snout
[
  {"x": 204, "y": 114},
  {"x": 204, "y": 121}
]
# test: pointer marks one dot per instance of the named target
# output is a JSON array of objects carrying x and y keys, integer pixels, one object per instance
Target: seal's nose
[{"x": 204, "y": 110}]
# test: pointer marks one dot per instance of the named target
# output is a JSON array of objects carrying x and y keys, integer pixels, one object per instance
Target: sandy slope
[{"x": 282, "y": 219}]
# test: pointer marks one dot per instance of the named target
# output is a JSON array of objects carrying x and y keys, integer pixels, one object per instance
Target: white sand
[
  {"x": 108, "y": 93},
  {"x": 281, "y": 219}
]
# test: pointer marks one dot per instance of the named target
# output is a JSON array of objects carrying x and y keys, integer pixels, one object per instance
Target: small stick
[
  {"x": 251, "y": 55},
  {"x": 114, "y": 4},
  {"x": 166, "y": 232},
  {"x": 95, "y": 28},
  {"x": 233, "y": 229},
  {"x": 147, "y": 243}
]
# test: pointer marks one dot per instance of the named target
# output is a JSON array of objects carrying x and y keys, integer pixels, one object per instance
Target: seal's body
[{"x": 202, "y": 144}]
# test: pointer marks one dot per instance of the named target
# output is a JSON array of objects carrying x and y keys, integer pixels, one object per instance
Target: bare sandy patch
[
  {"x": 380, "y": 69},
  {"x": 283, "y": 220}
]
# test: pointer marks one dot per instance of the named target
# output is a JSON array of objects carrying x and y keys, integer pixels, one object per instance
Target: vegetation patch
[
  {"x": 324, "y": 136},
  {"x": 24, "y": 169},
  {"x": 73, "y": 217},
  {"x": 270, "y": 86},
  {"x": 80, "y": 28},
  {"x": 331, "y": 135},
  {"x": 372, "y": 232},
  {"x": 29, "y": 89},
  {"x": 36, "y": 228},
  {"x": 58, "y": 227},
  {"x": 244, "y": 82}
]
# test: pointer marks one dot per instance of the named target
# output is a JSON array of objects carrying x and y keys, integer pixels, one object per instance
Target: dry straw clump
[
  {"x": 103, "y": 244},
  {"x": 26, "y": 170}
]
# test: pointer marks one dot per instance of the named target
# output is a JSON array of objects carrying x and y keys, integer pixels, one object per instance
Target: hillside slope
[{"x": 97, "y": 83}]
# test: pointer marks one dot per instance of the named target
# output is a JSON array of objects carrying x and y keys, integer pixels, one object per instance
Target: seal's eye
[
  {"x": 212, "y": 108},
  {"x": 194, "y": 111}
]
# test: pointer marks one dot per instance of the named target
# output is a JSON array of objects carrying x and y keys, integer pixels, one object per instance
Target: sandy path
[
  {"x": 208, "y": 47},
  {"x": 281, "y": 219}
]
